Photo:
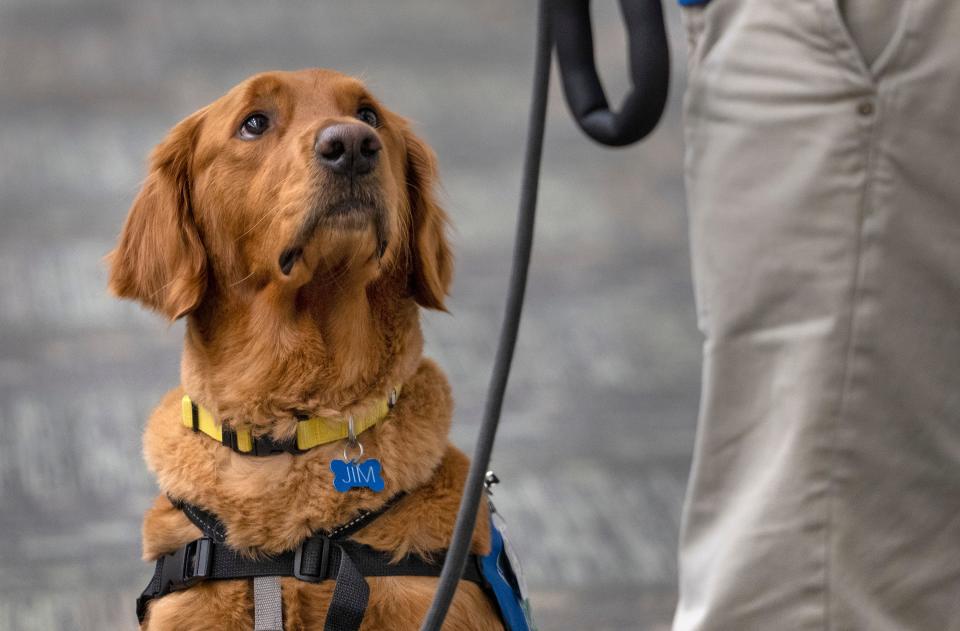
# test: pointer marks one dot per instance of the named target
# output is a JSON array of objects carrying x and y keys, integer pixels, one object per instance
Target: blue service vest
[{"x": 501, "y": 570}]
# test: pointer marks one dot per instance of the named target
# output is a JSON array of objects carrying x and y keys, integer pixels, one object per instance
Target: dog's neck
[
  {"x": 254, "y": 362},
  {"x": 257, "y": 358}
]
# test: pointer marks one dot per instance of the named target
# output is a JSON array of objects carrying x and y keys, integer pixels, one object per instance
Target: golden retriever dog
[{"x": 293, "y": 224}]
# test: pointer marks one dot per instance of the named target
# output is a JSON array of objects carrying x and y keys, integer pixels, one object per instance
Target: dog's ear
[
  {"x": 160, "y": 260},
  {"x": 432, "y": 259}
]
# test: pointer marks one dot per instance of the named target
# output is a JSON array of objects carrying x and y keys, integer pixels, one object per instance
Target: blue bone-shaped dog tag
[{"x": 348, "y": 475}]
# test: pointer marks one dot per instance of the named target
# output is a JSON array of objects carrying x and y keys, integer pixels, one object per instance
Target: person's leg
[{"x": 825, "y": 223}]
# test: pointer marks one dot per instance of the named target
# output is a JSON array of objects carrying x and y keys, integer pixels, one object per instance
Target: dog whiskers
[
  {"x": 271, "y": 215},
  {"x": 235, "y": 283}
]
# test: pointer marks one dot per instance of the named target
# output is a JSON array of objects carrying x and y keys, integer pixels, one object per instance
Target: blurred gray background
[{"x": 598, "y": 427}]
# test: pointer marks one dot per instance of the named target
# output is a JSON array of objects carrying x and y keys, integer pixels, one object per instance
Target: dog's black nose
[{"x": 348, "y": 148}]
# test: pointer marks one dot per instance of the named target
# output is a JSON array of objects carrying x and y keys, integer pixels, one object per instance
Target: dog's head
[{"x": 287, "y": 177}]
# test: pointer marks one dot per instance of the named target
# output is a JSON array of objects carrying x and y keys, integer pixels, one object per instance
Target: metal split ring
[{"x": 352, "y": 442}]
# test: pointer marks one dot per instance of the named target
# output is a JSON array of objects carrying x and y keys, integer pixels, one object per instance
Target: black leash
[{"x": 649, "y": 66}]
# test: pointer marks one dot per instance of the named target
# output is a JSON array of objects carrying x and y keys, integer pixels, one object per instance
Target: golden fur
[{"x": 264, "y": 347}]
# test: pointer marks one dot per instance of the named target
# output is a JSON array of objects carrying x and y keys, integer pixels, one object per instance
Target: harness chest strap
[
  {"x": 311, "y": 432},
  {"x": 319, "y": 558}
]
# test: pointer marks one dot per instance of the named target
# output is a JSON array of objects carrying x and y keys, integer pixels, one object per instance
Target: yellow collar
[{"x": 312, "y": 432}]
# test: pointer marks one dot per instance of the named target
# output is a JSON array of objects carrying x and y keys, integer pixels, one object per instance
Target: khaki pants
[{"x": 824, "y": 195}]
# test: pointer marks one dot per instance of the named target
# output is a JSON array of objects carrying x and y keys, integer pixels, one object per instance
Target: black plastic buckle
[
  {"x": 262, "y": 445},
  {"x": 308, "y": 552},
  {"x": 229, "y": 439},
  {"x": 266, "y": 446},
  {"x": 187, "y": 566},
  {"x": 142, "y": 601}
]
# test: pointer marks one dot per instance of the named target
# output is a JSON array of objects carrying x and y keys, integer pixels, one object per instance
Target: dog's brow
[
  {"x": 364, "y": 98},
  {"x": 263, "y": 87}
]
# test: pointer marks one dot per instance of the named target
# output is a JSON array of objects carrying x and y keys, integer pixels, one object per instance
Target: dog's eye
[
  {"x": 368, "y": 116},
  {"x": 254, "y": 126}
]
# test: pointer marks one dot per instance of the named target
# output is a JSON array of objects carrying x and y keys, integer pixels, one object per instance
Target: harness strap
[
  {"x": 319, "y": 558},
  {"x": 349, "y": 600},
  {"x": 207, "y": 522},
  {"x": 267, "y": 604},
  {"x": 212, "y": 527}
]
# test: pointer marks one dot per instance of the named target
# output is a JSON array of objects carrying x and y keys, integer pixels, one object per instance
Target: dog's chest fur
[{"x": 271, "y": 504}]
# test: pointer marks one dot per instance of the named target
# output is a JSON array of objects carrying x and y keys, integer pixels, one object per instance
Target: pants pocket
[
  {"x": 691, "y": 15},
  {"x": 871, "y": 25}
]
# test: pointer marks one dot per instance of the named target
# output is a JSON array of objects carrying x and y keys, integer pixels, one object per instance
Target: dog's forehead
[{"x": 312, "y": 91}]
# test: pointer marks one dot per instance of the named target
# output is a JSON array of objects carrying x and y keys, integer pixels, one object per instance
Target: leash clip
[{"x": 489, "y": 481}]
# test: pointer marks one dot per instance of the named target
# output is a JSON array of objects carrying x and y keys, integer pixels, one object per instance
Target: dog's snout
[{"x": 348, "y": 148}]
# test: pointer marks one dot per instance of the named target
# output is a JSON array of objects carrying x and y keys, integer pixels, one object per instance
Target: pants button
[{"x": 865, "y": 108}]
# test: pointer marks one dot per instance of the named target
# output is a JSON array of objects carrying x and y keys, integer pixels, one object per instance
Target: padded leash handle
[{"x": 649, "y": 60}]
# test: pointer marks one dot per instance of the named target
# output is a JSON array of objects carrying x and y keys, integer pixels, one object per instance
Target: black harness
[{"x": 321, "y": 557}]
